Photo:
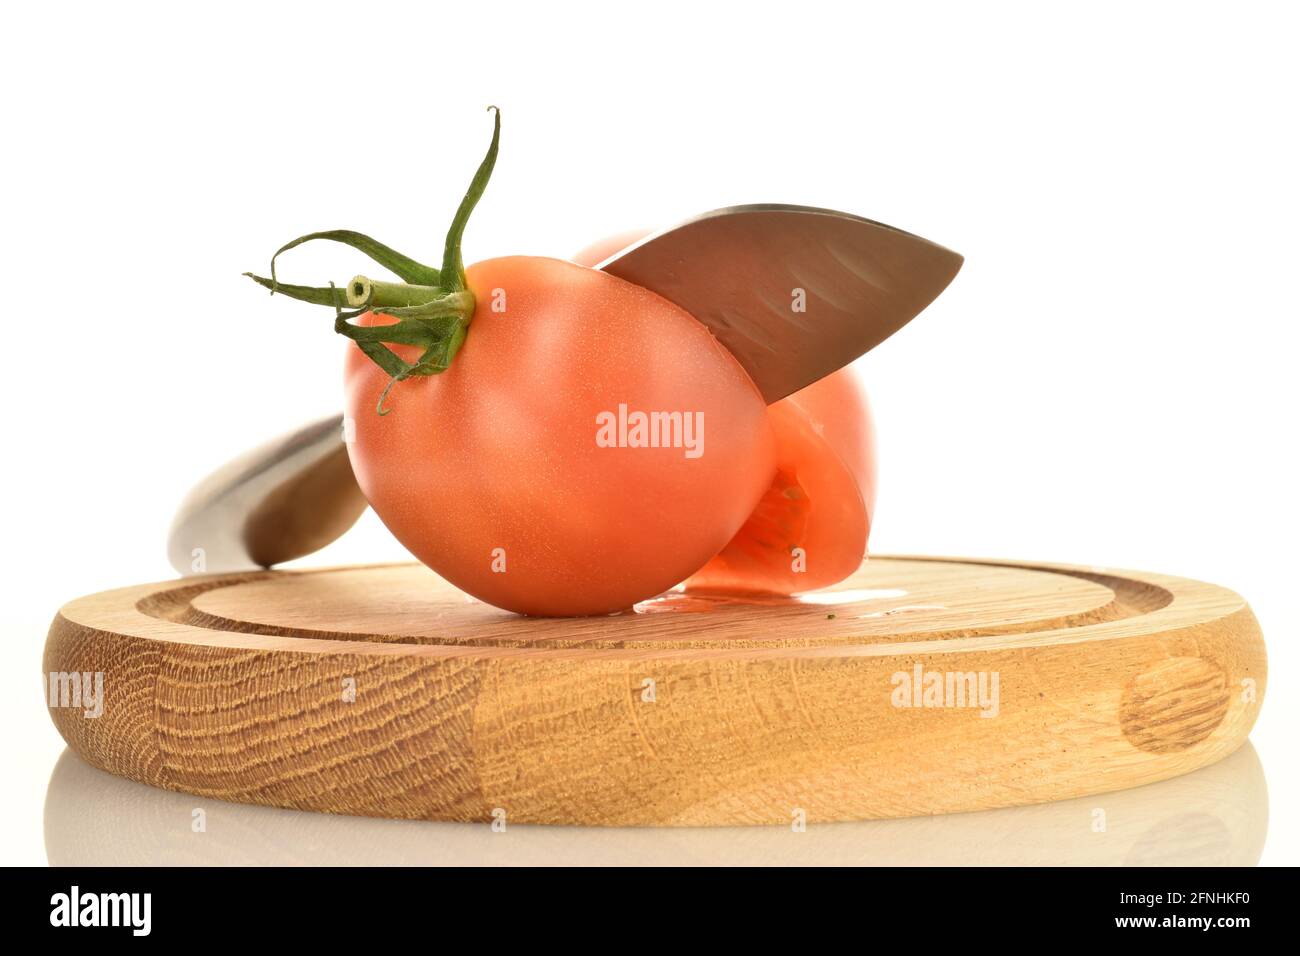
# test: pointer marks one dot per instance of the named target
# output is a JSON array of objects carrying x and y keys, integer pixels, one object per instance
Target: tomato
[
  {"x": 557, "y": 441},
  {"x": 491, "y": 473},
  {"x": 811, "y": 527}
]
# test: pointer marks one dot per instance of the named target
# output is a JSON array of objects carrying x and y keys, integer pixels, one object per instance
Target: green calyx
[{"x": 433, "y": 307}]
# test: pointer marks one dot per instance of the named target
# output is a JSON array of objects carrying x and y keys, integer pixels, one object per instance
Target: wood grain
[{"x": 234, "y": 687}]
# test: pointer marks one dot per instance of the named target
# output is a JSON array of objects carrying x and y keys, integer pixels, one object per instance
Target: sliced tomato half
[{"x": 810, "y": 528}]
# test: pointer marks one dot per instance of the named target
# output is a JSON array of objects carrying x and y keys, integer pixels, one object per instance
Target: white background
[{"x": 1110, "y": 380}]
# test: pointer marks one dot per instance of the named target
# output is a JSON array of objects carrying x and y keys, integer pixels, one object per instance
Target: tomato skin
[{"x": 500, "y": 452}]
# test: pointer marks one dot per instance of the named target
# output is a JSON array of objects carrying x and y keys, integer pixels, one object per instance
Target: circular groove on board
[{"x": 889, "y": 600}]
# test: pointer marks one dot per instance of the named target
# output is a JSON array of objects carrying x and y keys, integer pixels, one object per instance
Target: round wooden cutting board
[{"x": 918, "y": 686}]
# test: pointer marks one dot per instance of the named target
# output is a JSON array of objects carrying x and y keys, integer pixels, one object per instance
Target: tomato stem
[
  {"x": 453, "y": 269},
  {"x": 364, "y": 293},
  {"x": 404, "y": 267},
  {"x": 361, "y": 292},
  {"x": 433, "y": 307}
]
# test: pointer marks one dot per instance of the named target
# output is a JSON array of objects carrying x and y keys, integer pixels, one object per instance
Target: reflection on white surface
[{"x": 1216, "y": 816}]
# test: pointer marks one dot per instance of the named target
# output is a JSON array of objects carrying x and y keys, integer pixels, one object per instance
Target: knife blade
[{"x": 793, "y": 292}]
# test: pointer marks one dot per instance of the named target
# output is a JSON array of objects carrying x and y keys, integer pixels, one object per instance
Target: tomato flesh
[{"x": 811, "y": 527}]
